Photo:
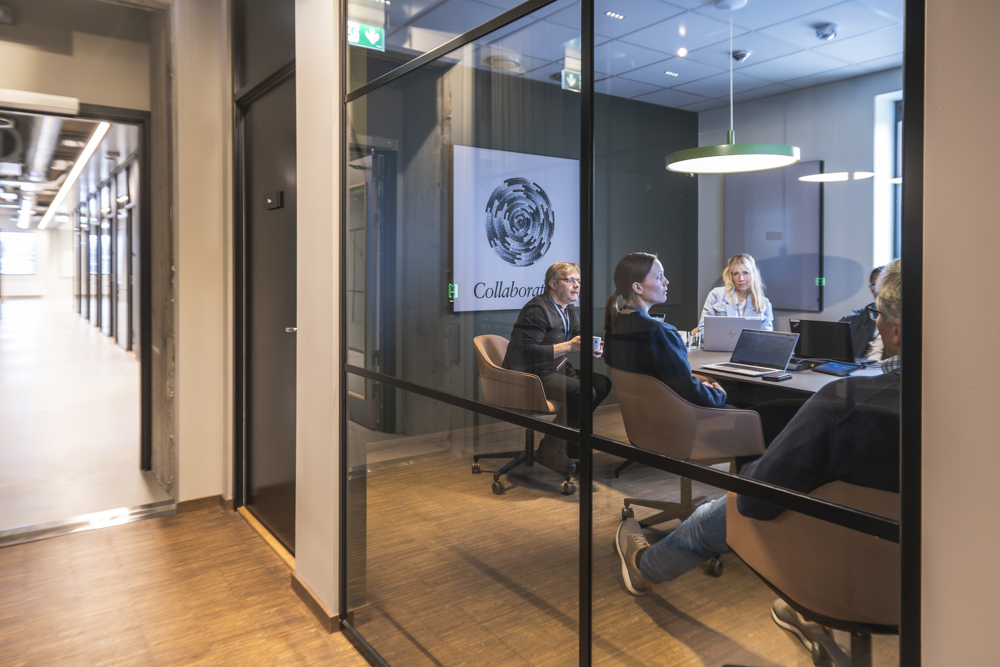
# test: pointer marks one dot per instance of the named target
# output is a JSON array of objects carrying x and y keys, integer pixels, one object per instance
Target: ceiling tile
[
  {"x": 820, "y": 78},
  {"x": 793, "y": 66},
  {"x": 869, "y": 46},
  {"x": 707, "y": 105},
  {"x": 540, "y": 13},
  {"x": 761, "y": 48},
  {"x": 764, "y": 91},
  {"x": 761, "y": 13},
  {"x": 718, "y": 85},
  {"x": 528, "y": 63},
  {"x": 688, "y": 30},
  {"x": 852, "y": 18},
  {"x": 879, "y": 64},
  {"x": 456, "y": 16},
  {"x": 687, "y": 70},
  {"x": 617, "y": 57},
  {"x": 670, "y": 98},
  {"x": 619, "y": 87},
  {"x": 542, "y": 39},
  {"x": 891, "y": 9},
  {"x": 638, "y": 14},
  {"x": 546, "y": 72}
]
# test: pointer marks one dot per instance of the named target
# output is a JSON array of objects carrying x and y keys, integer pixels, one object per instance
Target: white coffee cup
[{"x": 597, "y": 343}]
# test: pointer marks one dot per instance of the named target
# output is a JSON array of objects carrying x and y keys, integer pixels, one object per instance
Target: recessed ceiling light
[
  {"x": 669, "y": 73},
  {"x": 682, "y": 52},
  {"x": 614, "y": 15},
  {"x": 506, "y": 63},
  {"x": 832, "y": 177}
]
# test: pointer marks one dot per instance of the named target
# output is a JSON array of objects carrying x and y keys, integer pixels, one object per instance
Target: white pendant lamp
[{"x": 732, "y": 157}]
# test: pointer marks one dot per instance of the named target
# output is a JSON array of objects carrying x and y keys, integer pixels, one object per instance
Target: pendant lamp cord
[{"x": 732, "y": 138}]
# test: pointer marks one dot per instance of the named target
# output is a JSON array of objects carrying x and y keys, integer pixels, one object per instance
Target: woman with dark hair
[{"x": 637, "y": 343}]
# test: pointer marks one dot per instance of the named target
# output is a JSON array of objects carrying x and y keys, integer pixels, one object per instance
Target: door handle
[{"x": 291, "y": 329}]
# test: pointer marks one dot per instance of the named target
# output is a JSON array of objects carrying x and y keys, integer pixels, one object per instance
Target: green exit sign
[
  {"x": 571, "y": 80},
  {"x": 368, "y": 36}
]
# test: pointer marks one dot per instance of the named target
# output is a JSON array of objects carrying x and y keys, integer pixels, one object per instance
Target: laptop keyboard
[{"x": 743, "y": 367}]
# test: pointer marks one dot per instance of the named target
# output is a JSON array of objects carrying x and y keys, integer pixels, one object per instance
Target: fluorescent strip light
[
  {"x": 67, "y": 185},
  {"x": 832, "y": 177},
  {"x": 862, "y": 175}
]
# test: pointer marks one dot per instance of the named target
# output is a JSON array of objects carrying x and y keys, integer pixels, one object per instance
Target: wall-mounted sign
[
  {"x": 368, "y": 36},
  {"x": 571, "y": 80},
  {"x": 514, "y": 215}
]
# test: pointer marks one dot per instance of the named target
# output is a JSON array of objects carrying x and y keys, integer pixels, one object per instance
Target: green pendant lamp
[{"x": 732, "y": 157}]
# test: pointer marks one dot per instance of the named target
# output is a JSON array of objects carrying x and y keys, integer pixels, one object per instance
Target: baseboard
[
  {"x": 206, "y": 503},
  {"x": 329, "y": 621},
  {"x": 266, "y": 535}
]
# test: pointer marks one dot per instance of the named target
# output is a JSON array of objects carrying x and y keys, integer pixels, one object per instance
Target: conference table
[{"x": 746, "y": 391}]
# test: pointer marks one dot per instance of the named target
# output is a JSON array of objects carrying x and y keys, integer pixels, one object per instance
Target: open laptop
[
  {"x": 823, "y": 340},
  {"x": 759, "y": 353},
  {"x": 722, "y": 331}
]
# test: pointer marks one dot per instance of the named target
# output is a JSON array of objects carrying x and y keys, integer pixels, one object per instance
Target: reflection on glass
[{"x": 439, "y": 568}]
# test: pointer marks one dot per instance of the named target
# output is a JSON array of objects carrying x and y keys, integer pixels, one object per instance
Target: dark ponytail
[{"x": 632, "y": 268}]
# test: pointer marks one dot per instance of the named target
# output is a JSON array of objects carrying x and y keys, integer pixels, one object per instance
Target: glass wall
[{"x": 544, "y": 140}]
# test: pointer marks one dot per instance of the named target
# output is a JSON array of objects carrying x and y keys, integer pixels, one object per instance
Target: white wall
[
  {"x": 100, "y": 70},
  {"x": 51, "y": 278},
  {"x": 961, "y": 452},
  {"x": 834, "y": 123},
  {"x": 202, "y": 174},
  {"x": 317, "y": 117}
]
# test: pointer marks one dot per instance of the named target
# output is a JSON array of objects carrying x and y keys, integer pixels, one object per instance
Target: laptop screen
[
  {"x": 771, "y": 349},
  {"x": 824, "y": 340}
]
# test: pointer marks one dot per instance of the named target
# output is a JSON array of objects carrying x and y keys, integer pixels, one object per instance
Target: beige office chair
[
  {"x": 514, "y": 390},
  {"x": 656, "y": 418},
  {"x": 833, "y": 576}
]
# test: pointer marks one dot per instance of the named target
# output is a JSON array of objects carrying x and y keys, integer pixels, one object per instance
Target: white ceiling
[{"x": 633, "y": 53}]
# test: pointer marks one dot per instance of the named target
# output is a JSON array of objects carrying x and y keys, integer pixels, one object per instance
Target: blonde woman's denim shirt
[{"x": 719, "y": 303}]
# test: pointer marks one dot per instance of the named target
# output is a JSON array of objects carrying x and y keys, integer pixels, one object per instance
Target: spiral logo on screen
[{"x": 520, "y": 222}]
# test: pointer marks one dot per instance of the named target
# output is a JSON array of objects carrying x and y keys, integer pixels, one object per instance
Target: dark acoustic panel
[
  {"x": 778, "y": 219},
  {"x": 263, "y": 39}
]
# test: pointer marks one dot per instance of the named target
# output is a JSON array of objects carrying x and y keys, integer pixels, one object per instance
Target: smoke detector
[
  {"x": 825, "y": 31},
  {"x": 741, "y": 55}
]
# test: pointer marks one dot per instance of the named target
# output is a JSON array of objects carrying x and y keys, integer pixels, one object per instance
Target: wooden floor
[
  {"x": 455, "y": 575},
  {"x": 198, "y": 588}
]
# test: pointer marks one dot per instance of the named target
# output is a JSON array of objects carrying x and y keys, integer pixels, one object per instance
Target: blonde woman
[{"x": 741, "y": 296}]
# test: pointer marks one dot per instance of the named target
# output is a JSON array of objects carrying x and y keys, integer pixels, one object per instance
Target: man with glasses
[
  {"x": 867, "y": 341},
  {"x": 848, "y": 431},
  {"x": 546, "y": 332}
]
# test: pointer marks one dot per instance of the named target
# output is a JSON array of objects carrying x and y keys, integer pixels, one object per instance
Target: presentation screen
[
  {"x": 778, "y": 219},
  {"x": 513, "y": 215}
]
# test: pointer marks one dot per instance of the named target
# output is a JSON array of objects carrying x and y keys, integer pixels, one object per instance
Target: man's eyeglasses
[
  {"x": 571, "y": 281},
  {"x": 873, "y": 312}
]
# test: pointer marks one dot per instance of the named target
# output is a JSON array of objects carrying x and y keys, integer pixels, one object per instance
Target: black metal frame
[
  {"x": 142, "y": 120},
  {"x": 906, "y": 531},
  {"x": 241, "y": 99}
]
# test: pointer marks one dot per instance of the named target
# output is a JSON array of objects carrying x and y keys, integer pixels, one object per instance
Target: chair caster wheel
[
  {"x": 714, "y": 567},
  {"x": 628, "y": 513},
  {"x": 569, "y": 488},
  {"x": 498, "y": 487},
  {"x": 476, "y": 469}
]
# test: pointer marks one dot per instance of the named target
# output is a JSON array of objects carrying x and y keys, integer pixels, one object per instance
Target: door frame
[{"x": 241, "y": 100}]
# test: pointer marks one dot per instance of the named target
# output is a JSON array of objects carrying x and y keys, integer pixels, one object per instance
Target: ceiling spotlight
[
  {"x": 614, "y": 16},
  {"x": 669, "y": 73},
  {"x": 506, "y": 63},
  {"x": 682, "y": 52},
  {"x": 826, "y": 31},
  {"x": 741, "y": 55}
]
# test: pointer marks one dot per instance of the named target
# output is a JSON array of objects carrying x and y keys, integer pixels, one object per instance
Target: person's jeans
[{"x": 697, "y": 539}]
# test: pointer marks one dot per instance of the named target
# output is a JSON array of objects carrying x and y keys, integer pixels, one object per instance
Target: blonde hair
[
  {"x": 632, "y": 268},
  {"x": 756, "y": 282}
]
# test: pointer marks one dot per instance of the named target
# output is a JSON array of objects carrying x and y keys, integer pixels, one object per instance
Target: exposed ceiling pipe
[
  {"x": 44, "y": 138},
  {"x": 42, "y": 145}
]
